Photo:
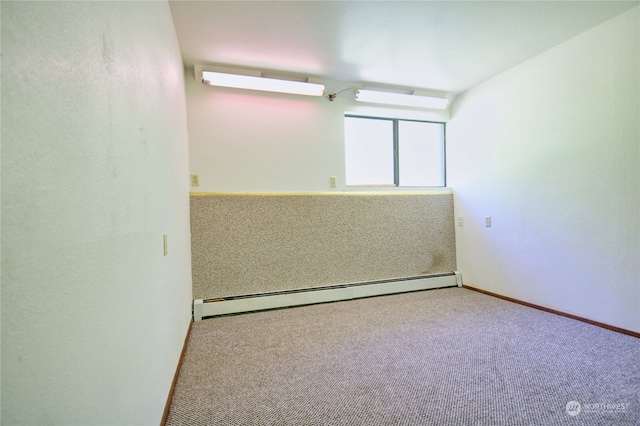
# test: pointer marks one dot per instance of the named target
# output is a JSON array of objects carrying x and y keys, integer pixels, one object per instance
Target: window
[{"x": 393, "y": 152}]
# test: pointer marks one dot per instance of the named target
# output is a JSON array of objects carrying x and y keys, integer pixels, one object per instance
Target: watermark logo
[{"x": 573, "y": 408}]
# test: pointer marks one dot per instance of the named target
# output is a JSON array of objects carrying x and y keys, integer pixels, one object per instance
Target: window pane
[
  {"x": 368, "y": 151},
  {"x": 421, "y": 153}
]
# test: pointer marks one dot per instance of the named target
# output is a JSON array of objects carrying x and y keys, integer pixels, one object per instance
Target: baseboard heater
[{"x": 205, "y": 308}]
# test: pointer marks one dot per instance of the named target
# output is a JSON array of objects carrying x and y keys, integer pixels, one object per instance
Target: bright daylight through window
[{"x": 393, "y": 152}]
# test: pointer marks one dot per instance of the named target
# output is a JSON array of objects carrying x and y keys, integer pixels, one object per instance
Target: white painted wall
[
  {"x": 550, "y": 150},
  {"x": 94, "y": 172},
  {"x": 244, "y": 141}
]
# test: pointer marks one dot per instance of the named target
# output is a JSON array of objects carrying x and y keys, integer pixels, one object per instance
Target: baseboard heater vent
[{"x": 205, "y": 308}]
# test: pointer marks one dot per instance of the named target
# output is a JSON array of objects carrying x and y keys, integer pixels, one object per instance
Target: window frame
[{"x": 396, "y": 150}]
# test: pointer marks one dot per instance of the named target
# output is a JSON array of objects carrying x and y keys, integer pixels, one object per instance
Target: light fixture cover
[
  {"x": 401, "y": 99},
  {"x": 261, "y": 83}
]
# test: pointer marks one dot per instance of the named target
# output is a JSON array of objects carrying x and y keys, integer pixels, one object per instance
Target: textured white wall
[
  {"x": 550, "y": 150},
  {"x": 243, "y": 141},
  {"x": 94, "y": 172}
]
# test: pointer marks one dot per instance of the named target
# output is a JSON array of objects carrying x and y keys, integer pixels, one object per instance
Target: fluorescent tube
[
  {"x": 401, "y": 99},
  {"x": 261, "y": 83}
]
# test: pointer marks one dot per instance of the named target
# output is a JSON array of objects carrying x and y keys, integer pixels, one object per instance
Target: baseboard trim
[
  {"x": 553, "y": 311},
  {"x": 167, "y": 406},
  {"x": 208, "y": 308}
]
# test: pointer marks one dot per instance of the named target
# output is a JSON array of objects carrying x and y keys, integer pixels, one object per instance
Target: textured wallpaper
[{"x": 244, "y": 244}]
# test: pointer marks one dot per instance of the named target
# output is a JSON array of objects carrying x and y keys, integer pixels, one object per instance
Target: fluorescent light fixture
[
  {"x": 262, "y": 83},
  {"x": 401, "y": 99}
]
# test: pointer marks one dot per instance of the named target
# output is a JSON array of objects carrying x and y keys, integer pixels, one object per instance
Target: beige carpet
[{"x": 449, "y": 356}]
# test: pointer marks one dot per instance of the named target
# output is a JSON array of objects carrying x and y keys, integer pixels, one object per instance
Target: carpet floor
[{"x": 440, "y": 357}]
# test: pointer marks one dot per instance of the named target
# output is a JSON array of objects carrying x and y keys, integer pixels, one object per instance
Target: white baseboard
[{"x": 203, "y": 308}]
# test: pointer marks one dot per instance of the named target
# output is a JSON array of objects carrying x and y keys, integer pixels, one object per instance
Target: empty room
[{"x": 331, "y": 213}]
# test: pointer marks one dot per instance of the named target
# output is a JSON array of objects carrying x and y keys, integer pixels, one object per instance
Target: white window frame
[{"x": 396, "y": 145}]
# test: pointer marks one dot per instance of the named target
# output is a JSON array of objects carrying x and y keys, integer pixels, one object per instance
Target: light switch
[{"x": 487, "y": 221}]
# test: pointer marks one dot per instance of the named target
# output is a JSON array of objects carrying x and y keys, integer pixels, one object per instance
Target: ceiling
[{"x": 447, "y": 46}]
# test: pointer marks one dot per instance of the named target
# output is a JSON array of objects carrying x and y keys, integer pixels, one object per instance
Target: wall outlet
[
  {"x": 332, "y": 181},
  {"x": 164, "y": 243},
  {"x": 195, "y": 180},
  {"x": 487, "y": 221},
  {"x": 460, "y": 221}
]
